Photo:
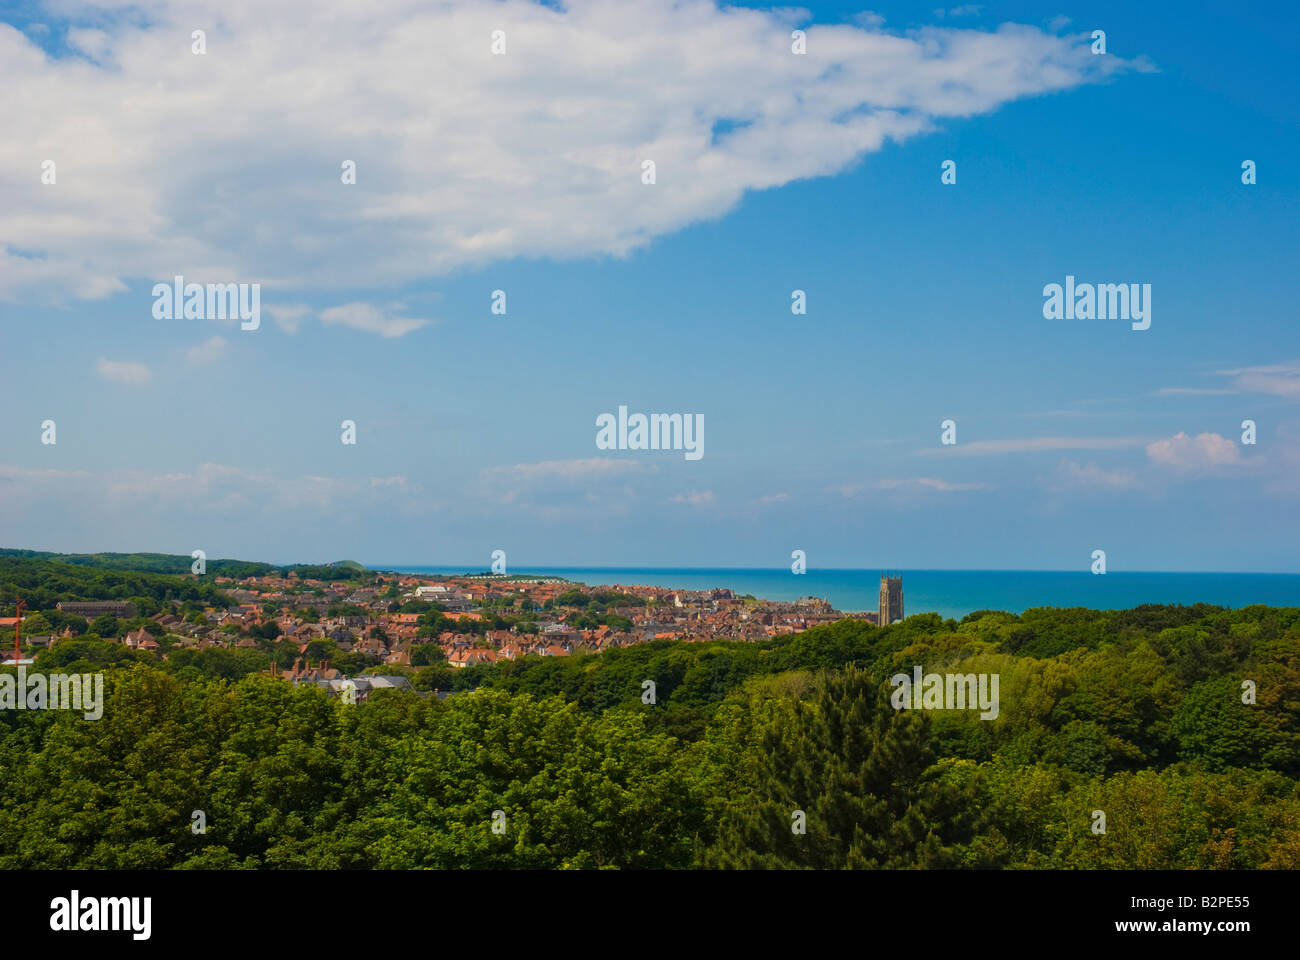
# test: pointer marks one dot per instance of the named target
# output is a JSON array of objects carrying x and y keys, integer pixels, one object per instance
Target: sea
[{"x": 950, "y": 593}]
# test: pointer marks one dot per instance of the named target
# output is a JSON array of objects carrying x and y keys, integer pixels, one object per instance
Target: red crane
[{"x": 18, "y": 629}]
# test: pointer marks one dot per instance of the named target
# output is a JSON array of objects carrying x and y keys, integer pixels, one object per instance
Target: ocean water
[{"x": 950, "y": 593}]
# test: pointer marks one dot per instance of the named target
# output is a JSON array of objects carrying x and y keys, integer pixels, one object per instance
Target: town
[{"x": 385, "y": 629}]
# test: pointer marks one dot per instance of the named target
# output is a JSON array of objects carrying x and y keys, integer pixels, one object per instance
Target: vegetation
[
  {"x": 1137, "y": 713},
  {"x": 43, "y": 583},
  {"x": 28, "y": 566}
]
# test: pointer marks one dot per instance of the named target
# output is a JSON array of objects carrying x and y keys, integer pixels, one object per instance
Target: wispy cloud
[
  {"x": 1191, "y": 392},
  {"x": 696, "y": 498},
  {"x": 289, "y": 317},
  {"x": 209, "y": 488},
  {"x": 1032, "y": 445},
  {"x": 129, "y": 372},
  {"x": 849, "y": 490},
  {"x": 370, "y": 318},
  {"x": 932, "y": 483},
  {"x": 1075, "y": 476},
  {"x": 590, "y": 468},
  {"x": 1280, "y": 380},
  {"x": 208, "y": 352}
]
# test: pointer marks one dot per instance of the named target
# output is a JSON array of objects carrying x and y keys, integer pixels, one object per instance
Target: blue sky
[{"x": 477, "y": 432}]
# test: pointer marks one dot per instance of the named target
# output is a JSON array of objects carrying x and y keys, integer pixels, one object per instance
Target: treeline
[
  {"x": 176, "y": 565},
  {"x": 1142, "y": 716},
  {"x": 1094, "y": 691},
  {"x": 42, "y": 584}
]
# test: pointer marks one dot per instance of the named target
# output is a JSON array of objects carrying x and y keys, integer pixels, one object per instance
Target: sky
[{"x": 523, "y": 172}]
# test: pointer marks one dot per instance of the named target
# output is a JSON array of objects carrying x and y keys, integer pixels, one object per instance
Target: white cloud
[
  {"x": 1201, "y": 452},
  {"x": 849, "y": 490},
  {"x": 1281, "y": 380},
  {"x": 215, "y": 487},
  {"x": 288, "y": 317},
  {"x": 1074, "y": 476},
  {"x": 935, "y": 483},
  {"x": 592, "y": 468},
  {"x": 38, "y": 475},
  {"x": 207, "y": 481},
  {"x": 208, "y": 352},
  {"x": 1033, "y": 445},
  {"x": 371, "y": 319},
  {"x": 463, "y": 158},
  {"x": 696, "y": 498},
  {"x": 1190, "y": 392},
  {"x": 23, "y": 487},
  {"x": 124, "y": 371},
  {"x": 773, "y": 498},
  {"x": 930, "y": 483}
]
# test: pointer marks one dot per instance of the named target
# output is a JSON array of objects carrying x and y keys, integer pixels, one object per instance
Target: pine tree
[{"x": 863, "y": 775}]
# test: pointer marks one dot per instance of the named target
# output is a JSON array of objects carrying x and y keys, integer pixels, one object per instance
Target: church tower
[{"x": 891, "y": 599}]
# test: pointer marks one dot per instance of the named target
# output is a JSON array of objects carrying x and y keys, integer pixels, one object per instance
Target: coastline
[{"x": 950, "y": 593}]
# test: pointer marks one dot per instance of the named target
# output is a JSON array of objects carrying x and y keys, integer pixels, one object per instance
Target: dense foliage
[
  {"x": 43, "y": 583},
  {"x": 1138, "y": 714},
  {"x": 42, "y": 579}
]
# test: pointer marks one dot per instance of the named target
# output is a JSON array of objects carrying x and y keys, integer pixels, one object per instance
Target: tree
[
  {"x": 1214, "y": 726},
  {"x": 37, "y": 625},
  {"x": 427, "y": 654},
  {"x": 861, "y": 774}
]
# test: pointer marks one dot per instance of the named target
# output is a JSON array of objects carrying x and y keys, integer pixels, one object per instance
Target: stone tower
[{"x": 891, "y": 599}]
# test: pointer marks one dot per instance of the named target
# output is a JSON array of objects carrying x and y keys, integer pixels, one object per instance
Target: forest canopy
[{"x": 1141, "y": 714}]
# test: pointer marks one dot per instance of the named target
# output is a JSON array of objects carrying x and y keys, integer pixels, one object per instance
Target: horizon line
[{"x": 523, "y": 569}]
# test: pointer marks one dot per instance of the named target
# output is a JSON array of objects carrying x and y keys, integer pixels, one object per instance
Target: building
[
  {"x": 891, "y": 599},
  {"x": 96, "y": 608}
]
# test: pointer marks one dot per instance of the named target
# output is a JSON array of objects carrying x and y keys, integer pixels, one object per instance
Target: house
[
  {"x": 308, "y": 674},
  {"x": 136, "y": 637},
  {"x": 372, "y": 646},
  {"x": 468, "y": 656},
  {"x": 364, "y": 685}
]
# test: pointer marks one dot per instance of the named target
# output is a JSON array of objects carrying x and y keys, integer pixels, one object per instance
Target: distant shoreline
[{"x": 950, "y": 593}]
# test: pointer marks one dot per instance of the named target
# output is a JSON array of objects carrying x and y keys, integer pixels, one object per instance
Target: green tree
[{"x": 861, "y": 772}]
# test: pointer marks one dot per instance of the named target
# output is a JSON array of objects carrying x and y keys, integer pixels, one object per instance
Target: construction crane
[{"x": 18, "y": 630}]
